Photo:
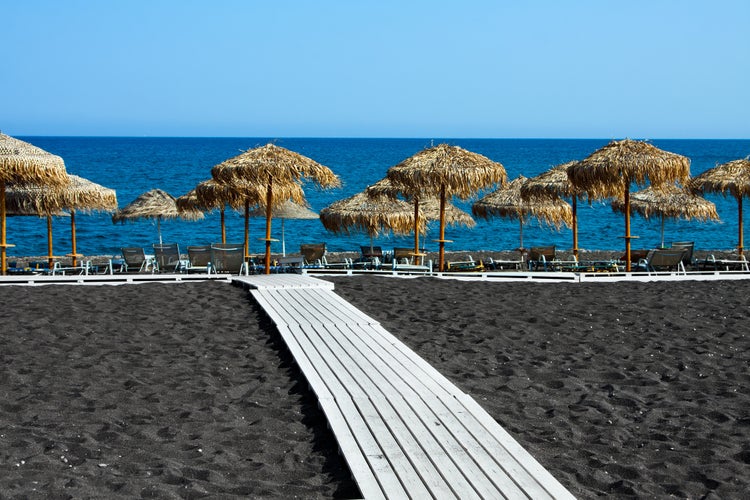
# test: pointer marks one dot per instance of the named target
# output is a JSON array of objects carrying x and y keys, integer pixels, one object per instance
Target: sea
[{"x": 133, "y": 165}]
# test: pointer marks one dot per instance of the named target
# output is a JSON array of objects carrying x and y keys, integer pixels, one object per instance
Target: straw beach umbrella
[
  {"x": 210, "y": 195},
  {"x": 371, "y": 215},
  {"x": 507, "y": 202},
  {"x": 668, "y": 202},
  {"x": 277, "y": 170},
  {"x": 553, "y": 184},
  {"x": 288, "y": 210},
  {"x": 609, "y": 171},
  {"x": 79, "y": 195},
  {"x": 733, "y": 178},
  {"x": 429, "y": 207},
  {"x": 155, "y": 204},
  {"x": 445, "y": 171},
  {"x": 22, "y": 163}
]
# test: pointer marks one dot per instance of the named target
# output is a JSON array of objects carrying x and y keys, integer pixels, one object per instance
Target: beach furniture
[
  {"x": 663, "y": 259},
  {"x": 313, "y": 254},
  {"x": 499, "y": 265},
  {"x": 167, "y": 257},
  {"x": 135, "y": 260},
  {"x": 540, "y": 258},
  {"x": 405, "y": 260},
  {"x": 229, "y": 258},
  {"x": 371, "y": 257},
  {"x": 689, "y": 246},
  {"x": 464, "y": 265},
  {"x": 636, "y": 256},
  {"x": 199, "y": 259},
  {"x": 713, "y": 264}
]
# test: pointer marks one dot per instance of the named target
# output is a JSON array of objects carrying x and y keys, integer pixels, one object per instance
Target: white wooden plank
[
  {"x": 380, "y": 462},
  {"x": 307, "y": 364},
  {"x": 418, "y": 443},
  {"x": 459, "y": 445},
  {"x": 402, "y": 466},
  {"x": 505, "y": 477},
  {"x": 359, "y": 466},
  {"x": 279, "y": 315},
  {"x": 420, "y": 410}
]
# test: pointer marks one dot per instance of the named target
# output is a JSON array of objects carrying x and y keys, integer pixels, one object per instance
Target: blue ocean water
[{"x": 134, "y": 165}]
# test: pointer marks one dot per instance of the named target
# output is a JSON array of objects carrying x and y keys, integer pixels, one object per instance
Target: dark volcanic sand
[
  {"x": 625, "y": 389},
  {"x": 155, "y": 390}
]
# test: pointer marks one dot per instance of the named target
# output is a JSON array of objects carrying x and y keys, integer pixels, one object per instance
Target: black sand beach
[
  {"x": 624, "y": 389},
  {"x": 155, "y": 391},
  {"x": 185, "y": 390}
]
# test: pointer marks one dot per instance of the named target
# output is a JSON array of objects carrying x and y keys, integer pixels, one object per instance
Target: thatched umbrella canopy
[
  {"x": 445, "y": 171},
  {"x": 553, "y": 184},
  {"x": 155, "y": 204},
  {"x": 507, "y": 202},
  {"x": 728, "y": 178},
  {"x": 668, "y": 202},
  {"x": 372, "y": 215},
  {"x": 609, "y": 171},
  {"x": 278, "y": 171},
  {"x": 428, "y": 206},
  {"x": 79, "y": 195},
  {"x": 239, "y": 195},
  {"x": 206, "y": 196},
  {"x": 287, "y": 210},
  {"x": 23, "y": 163}
]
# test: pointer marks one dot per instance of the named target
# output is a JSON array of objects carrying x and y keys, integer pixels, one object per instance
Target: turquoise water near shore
[{"x": 134, "y": 165}]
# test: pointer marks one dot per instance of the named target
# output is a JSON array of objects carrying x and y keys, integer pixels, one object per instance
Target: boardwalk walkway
[{"x": 404, "y": 429}]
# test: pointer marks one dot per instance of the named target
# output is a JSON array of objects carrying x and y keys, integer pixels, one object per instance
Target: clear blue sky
[{"x": 401, "y": 68}]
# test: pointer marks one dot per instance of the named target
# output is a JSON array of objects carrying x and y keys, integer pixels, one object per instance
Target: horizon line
[{"x": 378, "y": 138}]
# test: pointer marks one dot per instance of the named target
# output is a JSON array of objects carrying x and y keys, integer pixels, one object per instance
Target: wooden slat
[{"x": 408, "y": 431}]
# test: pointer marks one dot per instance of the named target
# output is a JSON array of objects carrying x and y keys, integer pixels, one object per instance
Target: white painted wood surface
[{"x": 404, "y": 429}]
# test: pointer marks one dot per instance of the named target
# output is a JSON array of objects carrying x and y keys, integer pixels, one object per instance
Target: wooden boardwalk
[{"x": 404, "y": 430}]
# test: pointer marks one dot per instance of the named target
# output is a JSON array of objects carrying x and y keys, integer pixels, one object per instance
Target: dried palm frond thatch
[
  {"x": 731, "y": 178},
  {"x": 370, "y": 215},
  {"x": 275, "y": 171},
  {"x": 445, "y": 171},
  {"x": 552, "y": 184},
  {"x": 155, "y": 204},
  {"x": 427, "y": 206},
  {"x": 22, "y": 163},
  {"x": 507, "y": 202},
  {"x": 609, "y": 171},
  {"x": 668, "y": 202},
  {"x": 80, "y": 195}
]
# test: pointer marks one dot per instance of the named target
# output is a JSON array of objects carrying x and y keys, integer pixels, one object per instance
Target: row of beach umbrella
[{"x": 267, "y": 181}]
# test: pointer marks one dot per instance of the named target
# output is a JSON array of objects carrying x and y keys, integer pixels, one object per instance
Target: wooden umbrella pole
[
  {"x": 740, "y": 247},
  {"x": 3, "y": 242},
  {"x": 50, "y": 260},
  {"x": 662, "y": 230},
  {"x": 247, "y": 230},
  {"x": 269, "y": 199},
  {"x": 627, "y": 228},
  {"x": 520, "y": 232},
  {"x": 416, "y": 226},
  {"x": 223, "y": 228},
  {"x": 575, "y": 226},
  {"x": 441, "y": 259},
  {"x": 74, "y": 253}
]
